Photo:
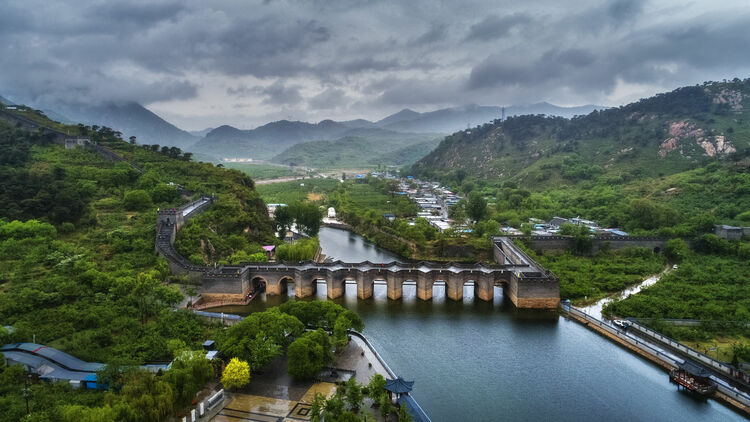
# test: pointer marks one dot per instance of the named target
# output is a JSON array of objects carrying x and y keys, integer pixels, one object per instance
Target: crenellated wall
[{"x": 527, "y": 284}]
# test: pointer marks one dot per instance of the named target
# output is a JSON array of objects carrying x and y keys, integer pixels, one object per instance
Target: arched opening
[
  {"x": 286, "y": 285},
  {"x": 258, "y": 285},
  {"x": 439, "y": 293},
  {"x": 350, "y": 288},
  {"x": 380, "y": 288},
  {"x": 409, "y": 290},
  {"x": 468, "y": 291},
  {"x": 320, "y": 288}
]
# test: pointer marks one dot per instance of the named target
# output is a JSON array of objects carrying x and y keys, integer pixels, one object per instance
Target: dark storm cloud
[{"x": 368, "y": 57}]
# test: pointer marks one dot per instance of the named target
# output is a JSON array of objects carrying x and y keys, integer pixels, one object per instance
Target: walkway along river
[{"x": 479, "y": 361}]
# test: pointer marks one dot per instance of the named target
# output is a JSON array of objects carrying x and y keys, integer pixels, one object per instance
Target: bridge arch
[
  {"x": 258, "y": 281},
  {"x": 284, "y": 282},
  {"x": 258, "y": 284}
]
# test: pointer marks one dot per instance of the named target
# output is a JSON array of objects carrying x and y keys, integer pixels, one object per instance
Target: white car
[{"x": 622, "y": 323}]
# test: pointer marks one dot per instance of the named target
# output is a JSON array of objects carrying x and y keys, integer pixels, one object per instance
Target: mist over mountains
[
  {"x": 266, "y": 141},
  {"x": 269, "y": 140}
]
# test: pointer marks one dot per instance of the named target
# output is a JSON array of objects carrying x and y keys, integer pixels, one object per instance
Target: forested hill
[
  {"x": 661, "y": 135},
  {"x": 78, "y": 271}
]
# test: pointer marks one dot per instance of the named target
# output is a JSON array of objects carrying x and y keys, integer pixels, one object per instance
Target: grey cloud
[
  {"x": 437, "y": 32},
  {"x": 330, "y": 98},
  {"x": 493, "y": 26},
  {"x": 274, "y": 94},
  {"x": 370, "y": 56},
  {"x": 625, "y": 10}
]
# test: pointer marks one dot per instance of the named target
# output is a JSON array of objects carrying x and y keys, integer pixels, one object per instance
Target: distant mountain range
[
  {"x": 271, "y": 139},
  {"x": 449, "y": 120},
  {"x": 371, "y": 147}
]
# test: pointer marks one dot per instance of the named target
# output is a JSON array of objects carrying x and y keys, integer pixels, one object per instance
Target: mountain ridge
[
  {"x": 273, "y": 138},
  {"x": 663, "y": 134}
]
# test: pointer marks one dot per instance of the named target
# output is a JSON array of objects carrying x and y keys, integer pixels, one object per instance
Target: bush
[
  {"x": 676, "y": 250},
  {"x": 136, "y": 200}
]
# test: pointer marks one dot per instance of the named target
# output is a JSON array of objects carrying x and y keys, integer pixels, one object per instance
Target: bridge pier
[
  {"x": 484, "y": 286},
  {"x": 365, "y": 284},
  {"x": 454, "y": 286},
  {"x": 395, "y": 284},
  {"x": 424, "y": 286},
  {"x": 335, "y": 284},
  {"x": 273, "y": 289},
  {"x": 304, "y": 286}
]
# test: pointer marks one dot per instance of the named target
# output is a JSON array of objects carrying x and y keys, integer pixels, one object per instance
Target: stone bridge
[{"x": 525, "y": 282}]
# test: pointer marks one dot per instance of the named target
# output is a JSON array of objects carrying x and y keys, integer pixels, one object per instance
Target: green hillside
[
  {"x": 386, "y": 148},
  {"x": 658, "y": 136},
  {"x": 79, "y": 273}
]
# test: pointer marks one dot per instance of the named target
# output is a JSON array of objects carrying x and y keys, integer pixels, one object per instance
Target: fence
[
  {"x": 691, "y": 322},
  {"x": 722, "y": 367},
  {"x": 723, "y": 386},
  {"x": 621, "y": 335},
  {"x": 205, "y": 406}
]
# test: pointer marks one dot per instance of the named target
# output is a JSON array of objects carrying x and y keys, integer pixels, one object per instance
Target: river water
[{"x": 479, "y": 361}]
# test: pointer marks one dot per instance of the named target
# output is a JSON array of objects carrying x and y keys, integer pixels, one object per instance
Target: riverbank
[
  {"x": 273, "y": 393},
  {"x": 663, "y": 359}
]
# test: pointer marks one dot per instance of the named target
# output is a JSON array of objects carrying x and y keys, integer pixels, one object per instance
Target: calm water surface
[{"x": 478, "y": 361}]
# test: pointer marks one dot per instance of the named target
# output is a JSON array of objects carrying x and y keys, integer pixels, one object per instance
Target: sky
[{"x": 204, "y": 63}]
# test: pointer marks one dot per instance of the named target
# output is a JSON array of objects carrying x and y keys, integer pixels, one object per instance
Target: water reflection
[{"x": 488, "y": 361}]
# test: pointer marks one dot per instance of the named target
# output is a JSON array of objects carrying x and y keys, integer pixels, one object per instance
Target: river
[{"x": 479, "y": 361}]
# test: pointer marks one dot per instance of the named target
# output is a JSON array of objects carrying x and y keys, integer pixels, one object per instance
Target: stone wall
[{"x": 559, "y": 244}]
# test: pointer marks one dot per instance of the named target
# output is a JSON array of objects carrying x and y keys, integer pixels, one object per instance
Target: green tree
[
  {"x": 386, "y": 407},
  {"x": 340, "y": 333},
  {"x": 354, "y": 396},
  {"x": 189, "y": 372},
  {"x": 149, "y": 398},
  {"x": 284, "y": 219},
  {"x": 308, "y": 218},
  {"x": 236, "y": 374},
  {"x": 376, "y": 387},
  {"x": 676, "y": 250},
  {"x": 476, "y": 208},
  {"x": 136, "y": 200},
  {"x": 308, "y": 354},
  {"x": 403, "y": 415}
]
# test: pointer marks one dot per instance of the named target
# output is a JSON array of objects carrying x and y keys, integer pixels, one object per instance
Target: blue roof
[
  {"x": 53, "y": 364},
  {"x": 617, "y": 232},
  {"x": 412, "y": 406},
  {"x": 399, "y": 385},
  {"x": 61, "y": 358}
]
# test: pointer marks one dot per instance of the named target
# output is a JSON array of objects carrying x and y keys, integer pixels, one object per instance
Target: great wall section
[{"x": 526, "y": 283}]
